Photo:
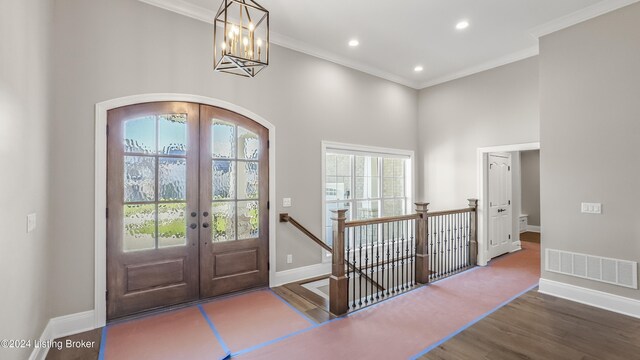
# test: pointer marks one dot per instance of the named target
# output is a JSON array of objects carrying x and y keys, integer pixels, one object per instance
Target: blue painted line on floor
[
  {"x": 266, "y": 343},
  {"x": 473, "y": 322},
  {"x": 294, "y": 309},
  {"x": 103, "y": 341},
  {"x": 216, "y": 333}
]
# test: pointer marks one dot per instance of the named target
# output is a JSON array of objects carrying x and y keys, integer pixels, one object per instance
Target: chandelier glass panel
[{"x": 241, "y": 35}]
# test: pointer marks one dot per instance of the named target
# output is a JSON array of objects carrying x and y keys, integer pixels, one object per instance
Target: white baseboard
[
  {"x": 305, "y": 272},
  {"x": 533, "y": 228},
  {"x": 63, "y": 326},
  {"x": 599, "y": 299}
]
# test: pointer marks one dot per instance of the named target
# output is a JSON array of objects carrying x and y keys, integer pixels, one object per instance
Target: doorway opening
[
  {"x": 187, "y": 205},
  {"x": 507, "y": 199}
]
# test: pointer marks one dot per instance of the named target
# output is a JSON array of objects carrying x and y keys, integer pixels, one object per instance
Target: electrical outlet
[
  {"x": 289, "y": 259},
  {"x": 591, "y": 208},
  {"x": 286, "y": 202},
  {"x": 31, "y": 222}
]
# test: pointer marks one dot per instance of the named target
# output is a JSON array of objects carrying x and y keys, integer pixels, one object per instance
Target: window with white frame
[{"x": 369, "y": 184}]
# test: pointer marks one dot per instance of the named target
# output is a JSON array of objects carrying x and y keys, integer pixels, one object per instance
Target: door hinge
[
  {"x": 268, "y": 205},
  {"x": 509, "y": 236},
  {"x": 107, "y": 130},
  {"x": 268, "y": 266},
  {"x": 509, "y": 202},
  {"x": 509, "y": 168},
  {"x": 106, "y": 212},
  {"x": 268, "y": 144},
  {"x": 106, "y": 295}
]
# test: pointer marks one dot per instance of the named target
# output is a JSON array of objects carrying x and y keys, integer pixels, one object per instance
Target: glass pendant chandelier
[{"x": 241, "y": 38}]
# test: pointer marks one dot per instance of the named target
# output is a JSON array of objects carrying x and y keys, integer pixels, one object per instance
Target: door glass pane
[
  {"x": 224, "y": 225},
  {"x": 172, "y": 180},
  {"x": 223, "y": 139},
  {"x": 248, "y": 226},
  {"x": 139, "y": 227},
  {"x": 224, "y": 179},
  {"x": 248, "y": 144},
  {"x": 172, "y": 225},
  {"x": 140, "y": 135},
  {"x": 248, "y": 180},
  {"x": 139, "y": 178},
  {"x": 172, "y": 134}
]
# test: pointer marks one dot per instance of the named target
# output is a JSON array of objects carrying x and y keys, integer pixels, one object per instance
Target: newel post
[
  {"x": 338, "y": 282},
  {"x": 473, "y": 236},
  {"x": 422, "y": 244}
]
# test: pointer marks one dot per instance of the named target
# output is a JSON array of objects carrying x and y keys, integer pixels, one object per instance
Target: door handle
[{"x": 205, "y": 225}]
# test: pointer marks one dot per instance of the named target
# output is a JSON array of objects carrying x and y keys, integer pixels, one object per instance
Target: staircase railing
[
  {"x": 397, "y": 253},
  {"x": 375, "y": 259}
]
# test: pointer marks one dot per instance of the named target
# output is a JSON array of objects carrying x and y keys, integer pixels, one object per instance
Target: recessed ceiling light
[
  {"x": 463, "y": 24},
  {"x": 354, "y": 43},
  {"x": 418, "y": 68}
]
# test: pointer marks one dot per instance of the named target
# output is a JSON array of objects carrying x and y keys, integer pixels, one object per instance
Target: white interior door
[{"x": 500, "y": 204}]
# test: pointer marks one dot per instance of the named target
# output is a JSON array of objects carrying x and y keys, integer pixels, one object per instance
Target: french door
[{"x": 187, "y": 216}]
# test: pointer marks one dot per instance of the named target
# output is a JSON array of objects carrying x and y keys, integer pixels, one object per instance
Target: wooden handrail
[
  {"x": 382, "y": 220},
  {"x": 284, "y": 217},
  {"x": 450, "y": 212}
]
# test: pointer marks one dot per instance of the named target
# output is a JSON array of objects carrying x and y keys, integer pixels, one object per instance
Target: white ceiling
[{"x": 397, "y": 35}]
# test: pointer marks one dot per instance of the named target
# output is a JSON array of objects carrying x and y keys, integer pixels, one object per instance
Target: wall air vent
[{"x": 612, "y": 271}]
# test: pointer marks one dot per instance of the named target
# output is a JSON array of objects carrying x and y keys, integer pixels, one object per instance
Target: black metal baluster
[
  {"x": 460, "y": 236},
  {"x": 432, "y": 260},
  {"x": 374, "y": 237},
  {"x": 366, "y": 264},
  {"x": 437, "y": 253},
  {"x": 385, "y": 232},
  {"x": 387, "y": 286},
  {"x": 360, "y": 266},
  {"x": 394, "y": 256},
  {"x": 398, "y": 252},
  {"x": 454, "y": 251},
  {"x": 348, "y": 252},
  {"x": 352, "y": 232},
  {"x": 380, "y": 234},
  {"x": 406, "y": 254}
]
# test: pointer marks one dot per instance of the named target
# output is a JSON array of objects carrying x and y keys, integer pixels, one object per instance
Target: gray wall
[
  {"x": 24, "y": 125},
  {"x": 109, "y": 49},
  {"x": 530, "y": 180},
  {"x": 495, "y": 107},
  {"x": 590, "y": 127}
]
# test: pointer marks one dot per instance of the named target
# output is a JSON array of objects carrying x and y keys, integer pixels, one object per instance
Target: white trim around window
[{"x": 365, "y": 150}]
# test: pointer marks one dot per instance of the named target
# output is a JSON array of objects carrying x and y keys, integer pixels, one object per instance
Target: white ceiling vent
[{"x": 612, "y": 271}]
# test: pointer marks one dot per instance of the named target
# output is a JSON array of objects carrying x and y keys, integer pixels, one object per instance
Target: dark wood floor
[
  {"x": 78, "y": 353},
  {"x": 306, "y": 301},
  {"x": 538, "y": 326},
  {"x": 530, "y": 237}
]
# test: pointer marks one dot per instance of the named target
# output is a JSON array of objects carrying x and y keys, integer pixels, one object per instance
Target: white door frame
[
  {"x": 482, "y": 171},
  {"x": 100, "y": 222}
]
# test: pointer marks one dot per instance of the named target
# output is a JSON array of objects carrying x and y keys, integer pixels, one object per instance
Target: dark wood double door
[{"x": 187, "y": 217}]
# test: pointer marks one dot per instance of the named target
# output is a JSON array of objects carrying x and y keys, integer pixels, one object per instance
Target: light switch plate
[
  {"x": 286, "y": 202},
  {"x": 31, "y": 222},
  {"x": 289, "y": 258},
  {"x": 591, "y": 208}
]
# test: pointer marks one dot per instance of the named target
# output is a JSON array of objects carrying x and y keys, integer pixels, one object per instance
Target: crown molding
[
  {"x": 579, "y": 16},
  {"x": 199, "y": 13},
  {"x": 513, "y": 57},
  {"x": 202, "y": 14}
]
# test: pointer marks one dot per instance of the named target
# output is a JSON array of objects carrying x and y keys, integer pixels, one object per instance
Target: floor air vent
[{"x": 612, "y": 271}]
